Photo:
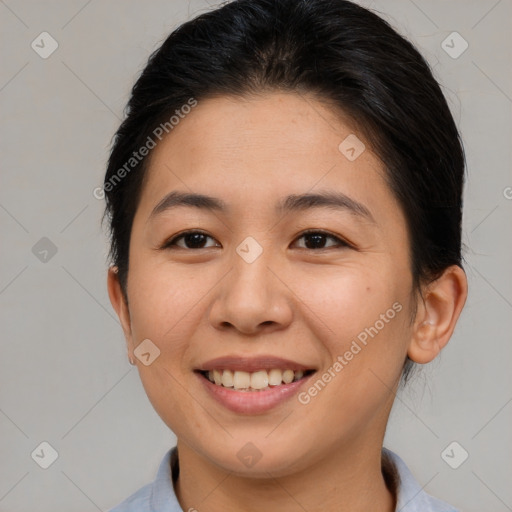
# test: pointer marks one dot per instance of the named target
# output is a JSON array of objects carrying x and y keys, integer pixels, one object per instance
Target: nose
[{"x": 253, "y": 298}]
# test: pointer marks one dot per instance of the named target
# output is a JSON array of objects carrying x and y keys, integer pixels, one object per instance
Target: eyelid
[
  {"x": 342, "y": 242},
  {"x": 177, "y": 236}
]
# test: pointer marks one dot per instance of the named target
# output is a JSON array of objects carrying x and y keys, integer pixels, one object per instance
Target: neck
[{"x": 349, "y": 478}]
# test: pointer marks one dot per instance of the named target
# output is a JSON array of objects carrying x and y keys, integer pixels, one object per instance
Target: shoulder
[
  {"x": 157, "y": 496},
  {"x": 410, "y": 495},
  {"x": 137, "y": 502}
]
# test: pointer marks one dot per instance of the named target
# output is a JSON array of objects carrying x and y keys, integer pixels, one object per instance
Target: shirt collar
[
  {"x": 163, "y": 498},
  {"x": 410, "y": 495}
]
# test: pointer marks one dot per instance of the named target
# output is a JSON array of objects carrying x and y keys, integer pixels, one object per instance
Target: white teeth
[
  {"x": 241, "y": 380},
  {"x": 259, "y": 380},
  {"x": 227, "y": 379},
  {"x": 287, "y": 376},
  {"x": 256, "y": 381},
  {"x": 275, "y": 377}
]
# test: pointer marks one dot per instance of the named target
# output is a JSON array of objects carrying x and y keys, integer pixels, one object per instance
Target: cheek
[
  {"x": 347, "y": 300},
  {"x": 360, "y": 319},
  {"x": 165, "y": 307},
  {"x": 366, "y": 352}
]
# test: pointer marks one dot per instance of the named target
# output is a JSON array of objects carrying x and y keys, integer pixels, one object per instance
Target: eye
[
  {"x": 317, "y": 240},
  {"x": 195, "y": 240}
]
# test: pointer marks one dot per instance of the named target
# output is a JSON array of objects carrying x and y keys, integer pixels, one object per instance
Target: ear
[
  {"x": 437, "y": 314},
  {"x": 121, "y": 307}
]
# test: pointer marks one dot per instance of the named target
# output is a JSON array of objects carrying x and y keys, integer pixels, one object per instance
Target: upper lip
[{"x": 252, "y": 364}]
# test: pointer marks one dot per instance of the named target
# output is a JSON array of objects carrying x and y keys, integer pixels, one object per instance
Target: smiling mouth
[{"x": 260, "y": 380}]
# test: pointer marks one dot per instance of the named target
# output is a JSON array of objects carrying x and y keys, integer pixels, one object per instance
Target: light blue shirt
[{"x": 159, "y": 495}]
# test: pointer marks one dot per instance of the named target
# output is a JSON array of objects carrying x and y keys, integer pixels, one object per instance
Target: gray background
[{"x": 64, "y": 374}]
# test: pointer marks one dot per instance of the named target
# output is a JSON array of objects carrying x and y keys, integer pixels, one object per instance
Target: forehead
[
  {"x": 260, "y": 149},
  {"x": 276, "y": 125}
]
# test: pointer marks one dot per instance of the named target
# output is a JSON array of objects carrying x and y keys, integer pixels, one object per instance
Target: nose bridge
[
  {"x": 251, "y": 274},
  {"x": 251, "y": 295}
]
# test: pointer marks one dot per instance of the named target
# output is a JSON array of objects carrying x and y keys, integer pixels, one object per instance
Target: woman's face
[{"x": 251, "y": 286}]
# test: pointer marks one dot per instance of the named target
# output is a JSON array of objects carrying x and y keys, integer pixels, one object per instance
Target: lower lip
[{"x": 252, "y": 402}]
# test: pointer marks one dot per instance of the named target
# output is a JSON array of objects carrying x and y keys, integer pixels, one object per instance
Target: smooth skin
[{"x": 296, "y": 300}]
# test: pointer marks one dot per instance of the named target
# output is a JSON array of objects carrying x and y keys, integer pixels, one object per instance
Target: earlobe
[
  {"x": 119, "y": 304},
  {"x": 438, "y": 314}
]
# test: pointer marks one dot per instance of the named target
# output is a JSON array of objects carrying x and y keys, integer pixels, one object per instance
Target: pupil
[
  {"x": 194, "y": 239},
  {"x": 317, "y": 238}
]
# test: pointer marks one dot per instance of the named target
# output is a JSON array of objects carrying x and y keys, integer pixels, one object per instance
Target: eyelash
[{"x": 341, "y": 243}]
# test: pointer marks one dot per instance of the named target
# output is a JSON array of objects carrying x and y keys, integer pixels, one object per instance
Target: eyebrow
[{"x": 292, "y": 203}]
